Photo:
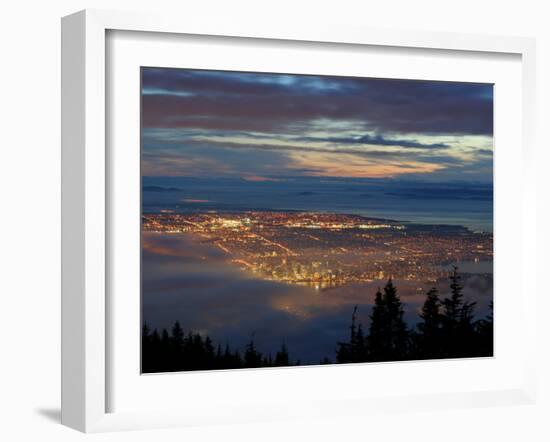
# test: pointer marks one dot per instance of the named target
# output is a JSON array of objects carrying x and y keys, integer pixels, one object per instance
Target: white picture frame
[{"x": 85, "y": 210}]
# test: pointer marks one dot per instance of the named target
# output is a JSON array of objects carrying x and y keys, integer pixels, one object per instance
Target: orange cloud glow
[
  {"x": 258, "y": 179},
  {"x": 353, "y": 166}
]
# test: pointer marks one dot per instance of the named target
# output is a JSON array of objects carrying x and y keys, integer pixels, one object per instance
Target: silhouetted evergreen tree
[
  {"x": 453, "y": 305},
  {"x": 428, "y": 342},
  {"x": 157, "y": 354},
  {"x": 209, "y": 356},
  {"x": 485, "y": 331},
  {"x": 228, "y": 359},
  {"x": 252, "y": 357},
  {"x": 377, "y": 330},
  {"x": 147, "y": 357},
  {"x": 218, "y": 357},
  {"x": 388, "y": 338},
  {"x": 145, "y": 331},
  {"x": 355, "y": 349},
  {"x": 177, "y": 334},
  {"x": 458, "y": 327},
  {"x": 238, "y": 359},
  {"x": 282, "y": 357},
  {"x": 359, "y": 345},
  {"x": 267, "y": 361},
  {"x": 397, "y": 334}
]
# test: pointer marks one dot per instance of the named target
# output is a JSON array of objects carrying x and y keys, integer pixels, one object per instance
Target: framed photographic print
[
  {"x": 275, "y": 205},
  {"x": 250, "y": 213}
]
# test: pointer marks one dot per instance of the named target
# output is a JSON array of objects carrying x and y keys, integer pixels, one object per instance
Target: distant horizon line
[{"x": 271, "y": 178}]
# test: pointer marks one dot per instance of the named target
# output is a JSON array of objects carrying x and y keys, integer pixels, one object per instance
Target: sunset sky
[{"x": 271, "y": 127}]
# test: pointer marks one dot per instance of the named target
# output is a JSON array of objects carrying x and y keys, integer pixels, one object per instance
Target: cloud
[
  {"x": 210, "y": 160},
  {"x": 236, "y": 137},
  {"x": 252, "y": 101},
  {"x": 351, "y": 165},
  {"x": 379, "y": 140},
  {"x": 260, "y": 179},
  {"x": 223, "y": 155},
  {"x": 268, "y": 125}
]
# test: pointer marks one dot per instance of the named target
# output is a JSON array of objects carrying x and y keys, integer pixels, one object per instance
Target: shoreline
[{"x": 409, "y": 223}]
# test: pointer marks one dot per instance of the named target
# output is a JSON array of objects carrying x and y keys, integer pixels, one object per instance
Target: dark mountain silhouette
[{"x": 160, "y": 189}]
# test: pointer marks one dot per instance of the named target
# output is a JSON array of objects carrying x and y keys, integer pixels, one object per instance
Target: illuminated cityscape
[{"x": 326, "y": 250}]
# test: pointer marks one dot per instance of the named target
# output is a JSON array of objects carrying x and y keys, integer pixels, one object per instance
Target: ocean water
[{"x": 458, "y": 203}]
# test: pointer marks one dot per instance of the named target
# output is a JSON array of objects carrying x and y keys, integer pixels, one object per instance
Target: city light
[{"x": 279, "y": 246}]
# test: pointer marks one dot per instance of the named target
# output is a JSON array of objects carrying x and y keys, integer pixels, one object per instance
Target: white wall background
[{"x": 30, "y": 216}]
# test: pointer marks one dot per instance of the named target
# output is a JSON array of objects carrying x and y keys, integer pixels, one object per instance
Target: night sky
[{"x": 272, "y": 127}]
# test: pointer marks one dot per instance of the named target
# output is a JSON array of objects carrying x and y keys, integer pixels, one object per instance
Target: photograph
[{"x": 304, "y": 219}]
